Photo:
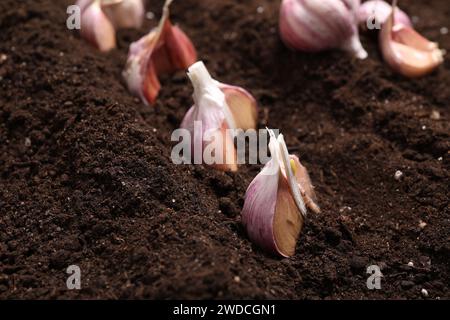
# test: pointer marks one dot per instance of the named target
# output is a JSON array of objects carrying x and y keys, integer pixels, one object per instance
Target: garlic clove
[
  {"x": 406, "y": 51},
  {"x": 380, "y": 10},
  {"x": 125, "y": 13},
  {"x": 242, "y": 105},
  {"x": 312, "y": 26},
  {"x": 96, "y": 28},
  {"x": 274, "y": 208},
  {"x": 411, "y": 38},
  {"x": 139, "y": 73},
  {"x": 165, "y": 49},
  {"x": 212, "y": 112}
]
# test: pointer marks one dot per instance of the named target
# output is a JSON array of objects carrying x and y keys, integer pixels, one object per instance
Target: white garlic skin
[{"x": 313, "y": 26}]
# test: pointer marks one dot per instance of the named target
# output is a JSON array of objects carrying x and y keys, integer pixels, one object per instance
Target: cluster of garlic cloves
[
  {"x": 378, "y": 11},
  {"x": 218, "y": 109},
  {"x": 276, "y": 201},
  {"x": 101, "y": 18},
  {"x": 312, "y": 26},
  {"x": 406, "y": 51},
  {"x": 165, "y": 49}
]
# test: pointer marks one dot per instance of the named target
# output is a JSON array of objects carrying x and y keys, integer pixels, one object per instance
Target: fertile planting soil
[{"x": 86, "y": 177}]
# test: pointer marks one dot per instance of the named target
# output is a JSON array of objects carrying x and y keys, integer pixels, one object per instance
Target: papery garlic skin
[
  {"x": 276, "y": 200},
  {"x": 211, "y": 110},
  {"x": 380, "y": 10},
  {"x": 313, "y": 26},
  {"x": 96, "y": 27},
  {"x": 219, "y": 108},
  {"x": 165, "y": 49},
  {"x": 406, "y": 51},
  {"x": 125, "y": 13}
]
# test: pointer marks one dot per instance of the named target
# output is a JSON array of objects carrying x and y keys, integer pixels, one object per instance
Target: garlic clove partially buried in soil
[
  {"x": 313, "y": 26},
  {"x": 406, "y": 51},
  {"x": 276, "y": 201},
  {"x": 125, "y": 13},
  {"x": 101, "y": 18},
  {"x": 218, "y": 109},
  {"x": 165, "y": 49},
  {"x": 376, "y": 12},
  {"x": 96, "y": 27}
]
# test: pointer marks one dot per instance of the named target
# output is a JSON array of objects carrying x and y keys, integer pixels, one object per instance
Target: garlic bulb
[
  {"x": 96, "y": 27},
  {"x": 406, "y": 51},
  {"x": 379, "y": 11},
  {"x": 276, "y": 201},
  {"x": 312, "y": 25},
  {"x": 217, "y": 109},
  {"x": 165, "y": 49}
]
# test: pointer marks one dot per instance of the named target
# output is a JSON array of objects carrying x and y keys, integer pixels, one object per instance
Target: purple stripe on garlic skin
[
  {"x": 312, "y": 26},
  {"x": 336, "y": 23},
  {"x": 381, "y": 11}
]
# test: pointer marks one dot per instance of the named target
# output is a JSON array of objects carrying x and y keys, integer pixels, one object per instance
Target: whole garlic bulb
[{"x": 312, "y": 25}]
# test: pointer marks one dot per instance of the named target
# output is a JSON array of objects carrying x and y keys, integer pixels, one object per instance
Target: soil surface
[{"x": 86, "y": 177}]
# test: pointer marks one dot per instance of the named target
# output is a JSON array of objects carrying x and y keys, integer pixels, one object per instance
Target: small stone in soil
[
  {"x": 398, "y": 175},
  {"x": 422, "y": 224},
  {"x": 424, "y": 292},
  {"x": 435, "y": 115}
]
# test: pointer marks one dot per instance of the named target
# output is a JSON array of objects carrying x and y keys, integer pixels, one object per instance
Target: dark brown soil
[{"x": 86, "y": 178}]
